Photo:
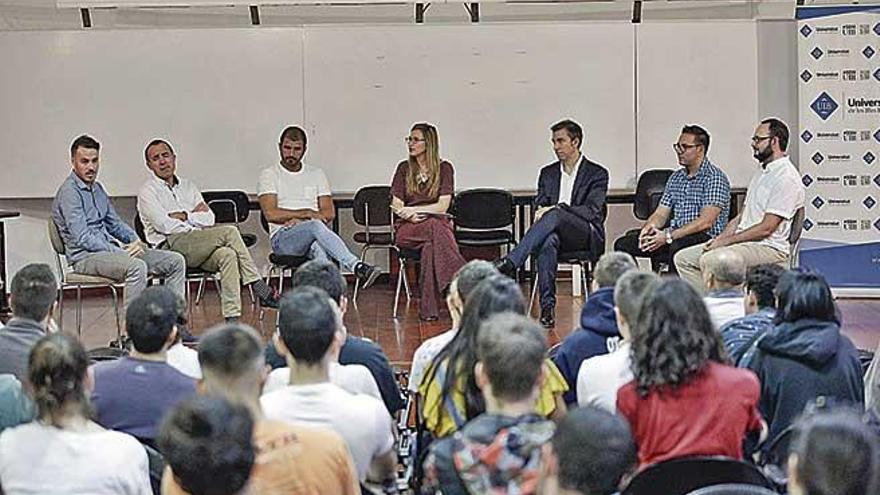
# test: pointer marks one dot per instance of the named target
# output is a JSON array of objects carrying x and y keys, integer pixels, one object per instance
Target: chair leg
[
  {"x": 187, "y": 294},
  {"x": 401, "y": 278},
  {"x": 61, "y": 309},
  {"x": 79, "y": 311},
  {"x": 115, "y": 295},
  {"x": 200, "y": 291},
  {"x": 251, "y": 292},
  {"x": 218, "y": 288},
  {"x": 534, "y": 293},
  {"x": 406, "y": 282}
]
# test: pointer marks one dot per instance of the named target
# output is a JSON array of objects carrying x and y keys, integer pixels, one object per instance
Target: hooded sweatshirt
[
  {"x": 596, "y": 335},
  {"x": 800, "y": 361},
  {"x": 491, "y": 454}
]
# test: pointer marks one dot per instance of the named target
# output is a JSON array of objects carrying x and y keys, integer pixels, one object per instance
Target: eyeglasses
[
  {"x": 682, "y": 147},
  {"x": 410, "y": 140},
  {"x": 758, "y": 139}
]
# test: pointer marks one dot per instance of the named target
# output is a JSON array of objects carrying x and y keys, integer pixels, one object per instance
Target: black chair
[
  {"x": 404, "y": 256},
  {"x": 484, "y": 217},
  {"x": 649, "y": 190},
  {"x": 280, "y": 263},
  {"x": 372, "y": 210},
  {"x": 231, "y": 207},
  {"x": 794, "y": 237},
  {"x": 682, "y": 476},
  {"x": 193, "y": 274},
  {"x": 101, "y": 354},
  {"x": 733, "y": 489}
]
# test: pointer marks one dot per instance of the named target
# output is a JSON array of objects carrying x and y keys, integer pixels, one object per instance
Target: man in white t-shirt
[
  {"x": 297, "y": 203},
  {"x": 600, "y": 377},
  {"x": 759, "y": 234},
  {"x": 465, "y": 281},
  {"x": 309, "y": 335}
]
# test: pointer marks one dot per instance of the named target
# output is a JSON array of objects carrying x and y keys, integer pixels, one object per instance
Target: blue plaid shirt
[{"x": 687, "y": 196}]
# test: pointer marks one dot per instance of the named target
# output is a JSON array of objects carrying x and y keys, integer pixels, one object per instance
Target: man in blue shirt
[
  {"x": 697, "y": 198},
  {"x": 96, "y": 240},
  {"x": 741, "y": 334}
]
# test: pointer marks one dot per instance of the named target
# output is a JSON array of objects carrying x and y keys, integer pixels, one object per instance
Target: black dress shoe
[
  {"x": 366, "y": 273},
  {"x": 272, "y": 299},
  {"x": 548, "y": 319},
  {"x": 505, "y": 266}
]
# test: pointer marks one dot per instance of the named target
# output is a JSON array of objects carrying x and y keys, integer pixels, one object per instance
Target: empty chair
[
  {"x": 372, "y": 210},
  {"x": 682, "y": 476},
  {"x": 484, "y": 217}
]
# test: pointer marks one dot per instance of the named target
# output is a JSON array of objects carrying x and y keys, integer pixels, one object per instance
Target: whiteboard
[
  {"x": 221, "y": 96},
  {"x": 703, "y": 73},
  {"x": 492, "y": 91}
]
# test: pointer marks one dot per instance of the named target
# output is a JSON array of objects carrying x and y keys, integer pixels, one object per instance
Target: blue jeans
[{"x": 314, "y": 239}]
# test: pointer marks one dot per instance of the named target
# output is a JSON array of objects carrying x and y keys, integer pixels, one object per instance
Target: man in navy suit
[{"x": 570, "y": 215}]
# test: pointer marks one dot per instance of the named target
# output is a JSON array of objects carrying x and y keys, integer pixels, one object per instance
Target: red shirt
[{"x": 708, "y": 415}]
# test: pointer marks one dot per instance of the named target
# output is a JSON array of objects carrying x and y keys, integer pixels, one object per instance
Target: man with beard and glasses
[{"x": 759, "y": 234}]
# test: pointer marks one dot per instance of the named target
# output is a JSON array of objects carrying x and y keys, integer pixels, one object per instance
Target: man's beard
[{"x": 763, "y": 154}]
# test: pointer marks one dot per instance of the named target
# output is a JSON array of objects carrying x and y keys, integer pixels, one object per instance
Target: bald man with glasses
[
  {"x": 759, "y": 234},
  {"x": 693, "y": 209}
]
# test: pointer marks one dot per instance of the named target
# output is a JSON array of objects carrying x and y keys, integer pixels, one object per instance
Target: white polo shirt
[
  {"x": 776, "y": 189},
  {"x": 295, "y": 190},
  {"x": 566, "y": 182}
]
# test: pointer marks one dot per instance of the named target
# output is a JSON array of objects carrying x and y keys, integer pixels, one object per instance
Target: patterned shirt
[
  {"x": 687, "y": 196},
  {"x": 742, "y": 333}
]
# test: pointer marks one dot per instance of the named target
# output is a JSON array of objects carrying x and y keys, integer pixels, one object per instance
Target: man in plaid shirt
[{"x": 694, "y": 207}]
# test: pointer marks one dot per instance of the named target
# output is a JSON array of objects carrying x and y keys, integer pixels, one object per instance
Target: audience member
[
  {"x": 759, "y": 234},
  {"x": 96, "y": 240},
  {"x": 206, "y": 443},
  {"x": 421, "y": 193},
  {"x": 180, "y": 356},
  {"x": 598, "y": 332},
  {"x": 15, "y": 406},
  {"x": 64, "y": 452},
  {"x": 450, "y": 391},
  {"x": 133, "y": 393},
  {"x": 176, "y": 217},
  {"x": 571, "y": 210},
  {"x": 32, "y": 298},
  {"x": 465, "y": 281},
  {"x": 591, "y": 450},
  {"x": 356, "y": 350},
  {"x": 601, "y": 376},
  {"x": 804, "y": 356},
  {"x": 309, "y": 335},
  {"x": 509, "y": 370},
  {"x": 723, "y": 275},
  {"x": 833, "y": 453},
  {"x": 760, "y": 309},
  {"x": 289, "y": 459},
  {"x": 695, "y": 203},
  {"x": 297, "y": 204},
  {"x": 685, "y": 400}
]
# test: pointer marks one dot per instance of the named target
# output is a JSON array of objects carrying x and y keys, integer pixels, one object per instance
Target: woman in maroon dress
[{"x": 421, "y": 192}]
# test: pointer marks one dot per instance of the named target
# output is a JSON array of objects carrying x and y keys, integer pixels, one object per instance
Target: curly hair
[
  {"x": 761, "y": 281},
  {"x": 674, "y": 338},
  {"x": 496, "y": 294}
]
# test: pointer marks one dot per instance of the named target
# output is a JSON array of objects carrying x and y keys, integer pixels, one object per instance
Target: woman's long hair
[
  {"x": 432, "y": 154},
  {"x": 57, "y": 368},
  {"x": 496, "y": 294},
  {"x": 673, "y": 338}
]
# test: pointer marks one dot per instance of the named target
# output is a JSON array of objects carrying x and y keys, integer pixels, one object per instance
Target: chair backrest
[
  {"x": 797, "y": 227},
  {"x": 649, "y": 190},
  {"x": 733, "y": 489},
  {"x": 484, "y": 208},
  {"x": 372, "y": 205},
  {"x": 58, "y": 246},
  {"x": 682, "y": 476},
  {"x": 228, "y": 206},
  {"x": 263, "y": 222}
]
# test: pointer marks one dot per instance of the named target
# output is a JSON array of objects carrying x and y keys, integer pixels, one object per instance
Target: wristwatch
[{"x": 668, "y": 236}]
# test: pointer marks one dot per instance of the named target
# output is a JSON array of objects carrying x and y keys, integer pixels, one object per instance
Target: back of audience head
[
  {"x": 57, "y": 368},
  {"x": 232, "y": 362},
  {"x": 510, "y": 350},
  {"x": 723, "y": 269},
  {"x": 611, "y": 266},
  {"x": 151, "y": 319},
  {"x": 496, "y": 294},
  {"x": 803, "y": 295},
  {"x": 207, "y": 441},
  {"x": 833, "y": 453},
  {"x": 465, "y": 281},
  {"x": 33, "y": 292},
  {"x": 323, "y": 275},
  {"x": 309, "y": 323},
  {"x": 630, "y": 292},
  {"x": 761, "y": 281},
  {"x": 591, "y": 450},
  {"x": 674, "y": 337}
]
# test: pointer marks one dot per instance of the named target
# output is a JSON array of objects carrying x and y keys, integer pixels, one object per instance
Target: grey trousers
[{"x": 134, "y": 271}]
